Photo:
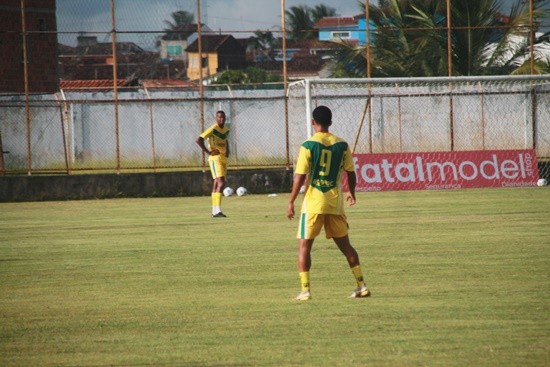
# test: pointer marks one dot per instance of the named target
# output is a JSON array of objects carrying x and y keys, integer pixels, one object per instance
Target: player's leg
[
  {"x": 304, "y": 264},
  {"x": 218, "y": 174},
  {"x": 308, "y": 228},
  {"x": 336, "y": 226}
]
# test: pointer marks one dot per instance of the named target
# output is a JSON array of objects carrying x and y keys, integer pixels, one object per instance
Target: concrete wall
[{"x": 166, "y": 184}]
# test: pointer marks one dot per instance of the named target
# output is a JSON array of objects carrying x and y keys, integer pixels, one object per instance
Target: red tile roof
[
  {"x": 163, "y": 83},
  {"x": 331, "y": 22},
  {"x": 90, "y": 84}
]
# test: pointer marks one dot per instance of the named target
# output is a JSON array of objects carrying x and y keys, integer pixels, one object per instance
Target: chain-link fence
[
  {"x": 429, "y": 114},
  {"x": 150, "y": 130},
  {"x": 157, "y": 129}
]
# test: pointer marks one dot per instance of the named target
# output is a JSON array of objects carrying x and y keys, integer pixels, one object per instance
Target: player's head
[
  {"x": 323, "y": 116},
  {"x": 220, "y": 118}
]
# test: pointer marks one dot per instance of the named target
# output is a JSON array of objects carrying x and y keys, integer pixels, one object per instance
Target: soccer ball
[
  {"x": 241, "y": 191},
  {"x": 542, "y": 182},
  {"x": 228, "y": 191}
]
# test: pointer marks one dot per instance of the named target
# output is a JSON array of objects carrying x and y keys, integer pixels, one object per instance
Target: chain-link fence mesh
[
  {"x": 157, "y": 130},
  {"x": 142, "y": 130},
  {"x": 430, "y": 115}
]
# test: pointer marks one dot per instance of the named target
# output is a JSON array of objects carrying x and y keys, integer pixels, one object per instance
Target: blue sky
[{"x": 238, "y": 17}]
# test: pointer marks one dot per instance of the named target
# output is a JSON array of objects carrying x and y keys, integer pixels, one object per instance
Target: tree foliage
[
  {"x": 301, "y": 20},
  {"x": 410, "y": 39},
  {"x": 250, "y": 75}
]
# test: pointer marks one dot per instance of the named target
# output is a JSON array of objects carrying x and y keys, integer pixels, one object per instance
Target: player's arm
[
  {"x": 349, "y": 167},
  {"x": 200, "y": 142},
  {"x": 352, "y": 182},
  {"x": 296, "y": 185}
]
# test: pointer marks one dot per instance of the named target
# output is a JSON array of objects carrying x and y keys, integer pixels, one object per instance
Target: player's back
[{"x": 326, "y": 153}]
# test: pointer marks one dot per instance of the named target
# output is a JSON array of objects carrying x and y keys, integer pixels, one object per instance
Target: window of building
[
  {"x": 174, "y": 50},
  {"x": 340, "y": 35}
]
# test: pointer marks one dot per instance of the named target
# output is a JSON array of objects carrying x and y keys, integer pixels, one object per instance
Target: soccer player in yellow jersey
[
  {"x": 323, "y": 159},
  {"x": 218, "y": 151}
]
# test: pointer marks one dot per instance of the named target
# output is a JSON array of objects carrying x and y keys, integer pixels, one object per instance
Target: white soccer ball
[
  {"x": 228, "y": 191},
  {"x": 241, "y": 191},
  {"x": 542, "y": 182}
]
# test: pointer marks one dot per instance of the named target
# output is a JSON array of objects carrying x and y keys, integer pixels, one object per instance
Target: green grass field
[{"x": 459, "y": 278}]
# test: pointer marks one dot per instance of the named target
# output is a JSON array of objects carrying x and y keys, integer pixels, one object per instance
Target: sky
[{"x": 238, "y": 17}]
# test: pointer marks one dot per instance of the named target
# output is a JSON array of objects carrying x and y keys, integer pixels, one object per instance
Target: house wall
[
  {"x": 164, "y": 50},
  {"x": 41, "y": 47},
  {"x": 357, "y": 32},
  {"x": 362, "y": 34},
  {"x": 327, "y": 34},
  {"x": 193, "y": 71},
  {"x": 231, "y": 56}
]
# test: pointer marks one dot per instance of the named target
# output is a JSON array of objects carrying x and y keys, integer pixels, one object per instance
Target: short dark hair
[
  {"x": 323, "y": 115},
  {"x": 220, "y": 111}
]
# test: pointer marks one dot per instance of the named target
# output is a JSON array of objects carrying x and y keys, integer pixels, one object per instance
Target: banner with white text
[{"x": 446, "y": 170}]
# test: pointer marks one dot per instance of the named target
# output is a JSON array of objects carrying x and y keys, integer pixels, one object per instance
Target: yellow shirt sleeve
[
  {"x": 208, "y": 132},
  {"x": 348, "y": 161},
  {"x": 303, "y": 165}
]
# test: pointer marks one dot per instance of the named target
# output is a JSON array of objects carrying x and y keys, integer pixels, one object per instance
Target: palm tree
[
  {"x": 395, "y": 50},
  {"x": 321, "y": 11},
  {"x": 508, "y": 54},
  {"x": 299, "y": 22},
  {"x": 179, "y": 18},
  {"x": 302, "y": 18},
  {"x": 480, "y": 45},
  {"x": 262, "y": 43},
  {"x": 179, "y": 26}
]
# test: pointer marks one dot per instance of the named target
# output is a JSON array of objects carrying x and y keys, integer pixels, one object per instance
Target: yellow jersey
[
  {"x": 324, "y": 157},
  {"x": 217, "y": 138}
]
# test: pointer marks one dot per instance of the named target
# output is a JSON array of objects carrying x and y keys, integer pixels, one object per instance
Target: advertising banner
[{"x": 446, "y": 170}]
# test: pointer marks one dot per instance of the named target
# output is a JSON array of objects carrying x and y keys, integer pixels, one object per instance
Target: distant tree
[
  {"x": 262, "y": 43},
  {"x": 411, "y": 39},
  {"x": 179, "y": 18},
  {"x": 299, "y": 22},
  {"x": 259, "y": 75},
  {"x": 322, "y": 11},
  {"x": 231, "y": 77},
  {"x": 250, "y": 75},
  {"x": 302, "y": 18},
  {"x": 177, "y": 27}
]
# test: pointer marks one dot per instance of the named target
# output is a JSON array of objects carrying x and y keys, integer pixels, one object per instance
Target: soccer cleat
[
  {"x": 303, "y": 296},
  {"x": 219, "y": 215},
  {"x": 360, "y": 292}
]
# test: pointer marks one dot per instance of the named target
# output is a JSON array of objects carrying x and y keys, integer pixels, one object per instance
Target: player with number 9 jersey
[{"x": 324, "y": 157}]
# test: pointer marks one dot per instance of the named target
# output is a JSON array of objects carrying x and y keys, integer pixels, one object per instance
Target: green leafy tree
[
  {"x": 180, "y": 19},
  {"x": 302, "y": 18},
  {"x": 480, "y": 44},
  {"x": 299, "y": 22},
  {"x": 321, "y": 11},
  {"x": 177, "y": 28},
  {"x": 263, "y": 43},
  {"x": 250, "y": 75},
  {"x": 232, "y": 77}
]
